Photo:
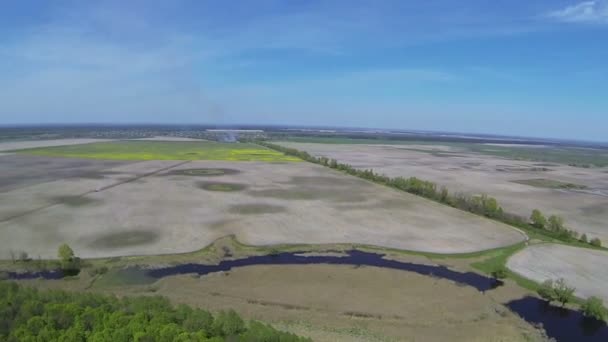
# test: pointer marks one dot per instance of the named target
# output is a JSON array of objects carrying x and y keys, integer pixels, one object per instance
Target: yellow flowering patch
[{"x": 164, "y": 150}]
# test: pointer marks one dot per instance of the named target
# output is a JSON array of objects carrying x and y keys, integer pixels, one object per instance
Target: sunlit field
[{"x": 164, "y": 150}]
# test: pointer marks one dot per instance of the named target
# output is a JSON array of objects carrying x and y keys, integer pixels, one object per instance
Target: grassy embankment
[{"x": 163, "y": 150}]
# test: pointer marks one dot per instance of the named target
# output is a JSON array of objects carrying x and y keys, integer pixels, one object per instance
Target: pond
[{"x": 354, "y": 257}]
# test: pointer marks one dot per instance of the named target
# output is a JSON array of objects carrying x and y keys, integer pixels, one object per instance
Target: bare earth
[
  {"x": 585, "y": 269},
  {"x": 585, "y": 210},
  {"x": 21, "y": 145},
  {"x": 145, "y": 208}
]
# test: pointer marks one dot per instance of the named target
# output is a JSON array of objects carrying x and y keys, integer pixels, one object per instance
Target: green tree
[
  {"x": 500, "y": 273},
  {"x": 228, "y": 323},
  {"x": 556, "y": 223},
  {"x": 584, "y": 238},
  {"x": 563, "y": 292},
  {"x": 538, "y": 219},
  {"x": 65, "y": 253},
  {"x": 546, "y": 291},
  {"x": 596, "y": 242},
  {"x": 594, "y": 307},
  {"x": 23, "y": 256}
]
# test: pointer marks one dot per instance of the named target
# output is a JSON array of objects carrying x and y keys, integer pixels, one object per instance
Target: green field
[{"x": 163, "y": 150}]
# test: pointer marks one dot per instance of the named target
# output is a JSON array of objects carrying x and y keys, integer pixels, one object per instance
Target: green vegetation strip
[{"x": 163, "y": 150}]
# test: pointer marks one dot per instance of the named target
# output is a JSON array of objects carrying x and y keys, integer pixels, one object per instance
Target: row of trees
[
  {"x": 30, "y": 315},
  {"x": 68, "y": 262},
  {"x": 480, "y": 205},
  {"x": 559, "y": 291},
  {"x": 555, "y": 224}
]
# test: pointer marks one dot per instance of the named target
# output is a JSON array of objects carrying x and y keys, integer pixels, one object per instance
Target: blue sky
[{"x": 536, "y": 68}]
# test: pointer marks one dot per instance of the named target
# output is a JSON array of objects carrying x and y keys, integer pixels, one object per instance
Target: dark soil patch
[
  {"x": 320, "y": 193},
  {"x": 75, "y": 201},
  {"x": 219, "y": 186},
  {"x": 204, "y": 172},
  {"x": 597, "y": 209},
  {"x": 124, "y": 239},
  {"x": 550, "y": 184},
  {"x": 523, "y": 169},
  {"x": 18, "y": 171},
  {"x": 389, "y": 204},
  {"x": 323, "y": 181},
  {"x": 256, "y": 208}
]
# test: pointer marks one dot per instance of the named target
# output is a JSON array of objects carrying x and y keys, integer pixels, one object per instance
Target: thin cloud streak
[{"x": 589, "y": 12}]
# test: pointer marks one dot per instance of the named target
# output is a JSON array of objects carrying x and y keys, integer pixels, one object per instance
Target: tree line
[
  {"x": 481, "y": 205},
  {"x": 559, "y": 291},
  {"x": 29, "y": 315}
]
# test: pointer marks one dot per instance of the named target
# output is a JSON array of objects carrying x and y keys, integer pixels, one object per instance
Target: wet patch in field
[
  {"x": 223, "y": 187},
  {"x": 502, "y": 168},
  {"x": 124, "y": 239},
  {"x": 75, "y": 201},
  {"x": 598, "y": 209},
  {"x": 322, "y": 181},
  {"x": 549, "y": 184},
  {"x": 256, "y": 209},
  {"x": 391, "y": 204},
  {"x": 221, "y": 224},
  {"x": 205, "y": 172},
  {"x": 546, "y": 164},
  {"x": 309, "y": 194}
]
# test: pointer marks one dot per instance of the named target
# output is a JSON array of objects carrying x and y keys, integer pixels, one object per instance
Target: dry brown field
[
  {"x": 585, "y": 210},
  {"x": 18, "y": 145},
  {"x": 155, "y": 207},
  {"x": 585, "y": 269}
]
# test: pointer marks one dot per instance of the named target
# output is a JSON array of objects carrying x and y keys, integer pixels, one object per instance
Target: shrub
[
  {"x": 594, "y": 307},
  {"x": 556, "y": 223},
  {"x": 98, "y": 271},
  {"x": 65, "y": 253},
  {"x": 563, "y": 292},
  {"x": 583, "y": 238},
  {"x": 546, "y": 292},
  {"x": 23, "y": 256},
  {"x": 538, "y": 219},
  {"x": 500, "y": 273},
  {"x": 596, "y": 242}
]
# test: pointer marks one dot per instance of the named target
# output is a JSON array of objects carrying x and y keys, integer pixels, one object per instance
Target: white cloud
[{"x": 591, "y": 12}]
